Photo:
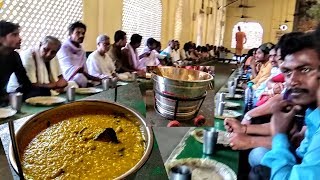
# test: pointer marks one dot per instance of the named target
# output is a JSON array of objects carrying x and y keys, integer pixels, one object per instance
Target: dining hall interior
[{"x": 159, "y": 89}]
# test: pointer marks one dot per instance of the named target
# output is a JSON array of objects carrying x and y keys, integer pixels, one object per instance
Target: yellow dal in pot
[{"x": 66, "y": 150}]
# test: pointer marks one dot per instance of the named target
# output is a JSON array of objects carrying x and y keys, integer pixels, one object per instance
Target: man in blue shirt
[{"x": 300, "y": 67}]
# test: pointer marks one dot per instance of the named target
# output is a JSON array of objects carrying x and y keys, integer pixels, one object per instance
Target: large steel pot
[
  {"x": 185, "y": 86},
  {"x": 180, "y": 82},
  {"x": 39, "y": 122}
]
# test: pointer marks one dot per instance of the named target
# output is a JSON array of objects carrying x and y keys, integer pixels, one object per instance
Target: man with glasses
[{"x": 99, "y": 62}]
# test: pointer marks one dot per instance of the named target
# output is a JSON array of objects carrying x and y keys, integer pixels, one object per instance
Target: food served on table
[
  {"x": 72, "y": 149},
  {"x": 204, "y": 169},
  {"x": 45, "y": 100}
]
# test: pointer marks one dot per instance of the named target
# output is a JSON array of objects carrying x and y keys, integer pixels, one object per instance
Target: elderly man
[
  {"x": 168, "y": 51},
  {"x": 120, "y": 41},
  {"x": 10, "y": 61},
  {"x": 176, "y": 52},
  {"x": 72, "y": 57},
  {"x": 42, "y": 68},
  {"x": 99, "y": 62}
]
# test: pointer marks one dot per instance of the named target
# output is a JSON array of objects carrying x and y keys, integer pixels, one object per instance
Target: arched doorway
[{"x": 254, "y": 33}]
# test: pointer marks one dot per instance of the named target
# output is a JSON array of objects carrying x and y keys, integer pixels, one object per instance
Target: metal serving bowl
[
  {"x": 188, "y": 87},
  {"x": 180, "y": 82},
  {"x": 39, "y": 122}
]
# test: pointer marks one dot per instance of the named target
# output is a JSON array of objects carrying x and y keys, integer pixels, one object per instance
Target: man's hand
[
  {"x": 233, "y": 125},
  {"x": 141, "y": 73},
  {"x": 240, "y": 141},
  {"x": 282, "y": 118},
  {"x": 61, "y": 83},
  {"x": 277, "y": 88},
  {"x": 297, "y": 136}
]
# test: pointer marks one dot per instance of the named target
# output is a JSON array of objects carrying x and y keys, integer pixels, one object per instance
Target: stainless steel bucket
[
  {"x": 187, "y": 87},
  {"x": 180, "y": 82}
]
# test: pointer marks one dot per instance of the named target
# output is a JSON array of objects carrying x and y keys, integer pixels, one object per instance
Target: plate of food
[
  {"x": 45, "y": 100},
  {"x": 86, "y": 130},
  {"x": 228, "y": 114},
  {"x": 232, "y": 105},
  {"x": 7, "y": 112},
  {"x": 90, "y": 90},
  {"x": 236, "y": 96},
  {"x": 223, "y": 136},
  {"x": 127, "y": 77},
  {"x": 204, "y": 169}
]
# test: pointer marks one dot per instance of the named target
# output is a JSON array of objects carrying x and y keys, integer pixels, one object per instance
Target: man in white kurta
[
  {"x": 72, "y": 57},
  {"x": 99, "y": 62},
  {"x": 42, "y": 67},
  {"x": 148, "y": 56}
]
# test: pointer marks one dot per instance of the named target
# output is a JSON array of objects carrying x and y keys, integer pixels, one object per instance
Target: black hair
[
  {"x": 7, "y": 28},
  {"x": 119, "y": 35},
  {"x": 317, "y": 37},
  {"x": 198, "y": 48},
  {"x": 295, "y": 44},
  {"x": 135, "y": 39},
  {"x": 285, "y": 37},
  {"x": 266, "y": 47},
  {"x": 151, "y": 41},
  {"x": 187, "y": 46},
  {"x": 251, "y": 51},
  {"x": 75, "y": 25},
  {"x": 158, "y": 44},
  {"x": 204, "y": 49}
]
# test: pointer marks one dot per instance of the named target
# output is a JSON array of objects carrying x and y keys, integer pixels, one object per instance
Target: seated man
[
  {"x": 42, "y": 68},
  {"x": 176, "y": 53},
  {"x": 148, "y": 55},
  {"x": 130, "y": 55},
  {"x": 99, "y": 62},
  {"x": 301, "y": 68},
  {"x": 120, "y": 41},
  {"x": 168, "y": 52},
  {"x": 275, "y": 83},
  {"x": 262, "y": 56},
  {"x": 305, "y": 99},
  {"x": 72, "y": 57},
  {"x": 10, "y": 61}
]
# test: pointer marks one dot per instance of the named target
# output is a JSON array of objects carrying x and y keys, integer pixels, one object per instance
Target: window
[
  {"x": 178, "y": 23},
  {"x": 142, "y": 17},
  {"x": 39, "y": 18},
  {"x": 254, "y": 33}
]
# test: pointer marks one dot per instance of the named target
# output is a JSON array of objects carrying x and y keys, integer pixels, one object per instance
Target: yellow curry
[{"x": 67, "y": 150}]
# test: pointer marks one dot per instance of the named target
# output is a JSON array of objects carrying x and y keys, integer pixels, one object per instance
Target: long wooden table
[{"x": 128, "y": 95}]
